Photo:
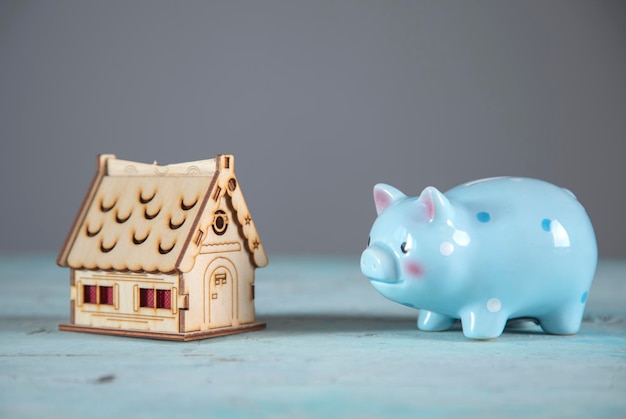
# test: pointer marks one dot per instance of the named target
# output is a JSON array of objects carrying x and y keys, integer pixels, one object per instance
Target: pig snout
[{"x": 378, "y": 264}]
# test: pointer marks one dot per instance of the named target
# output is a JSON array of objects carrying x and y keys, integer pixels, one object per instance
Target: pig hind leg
[{"x": 564, "y": 321}]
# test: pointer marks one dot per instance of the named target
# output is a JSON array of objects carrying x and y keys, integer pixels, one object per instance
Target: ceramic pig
[{"x": 484, "y": 252}]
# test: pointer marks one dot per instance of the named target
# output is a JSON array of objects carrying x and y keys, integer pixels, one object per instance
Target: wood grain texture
[
  {"x": 144, "y": 217},
  {"x": 152, "y": 254},
  {"x": 178, "y": 337},
  {"x": 333, "y": 347}
]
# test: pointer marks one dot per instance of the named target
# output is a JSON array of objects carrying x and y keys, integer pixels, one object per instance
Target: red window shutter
[
  {"x": 90, "y": 294},
  {"x": 164, "y": 299},
  {"x": 146, "y": 297},
  {"x": 106, "y": 295}
]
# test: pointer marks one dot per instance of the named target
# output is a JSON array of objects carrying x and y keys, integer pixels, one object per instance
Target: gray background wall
[{"x": 318, "y": 101}]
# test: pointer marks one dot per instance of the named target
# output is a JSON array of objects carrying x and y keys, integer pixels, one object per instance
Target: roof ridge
[{"x": 118, "y": 167}]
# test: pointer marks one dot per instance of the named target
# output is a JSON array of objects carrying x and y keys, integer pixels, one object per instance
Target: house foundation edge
[{"x": 180, "y": 337}]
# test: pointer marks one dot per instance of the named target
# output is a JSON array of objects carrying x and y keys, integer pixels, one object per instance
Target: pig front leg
[
  {"x": 484, "y": 321},
  {"x": 431, "y": 321}
]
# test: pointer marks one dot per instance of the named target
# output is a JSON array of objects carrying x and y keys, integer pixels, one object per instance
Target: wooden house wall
[
  {"x": 220, "y": 254},
  {"x": 125, "y": 311}
]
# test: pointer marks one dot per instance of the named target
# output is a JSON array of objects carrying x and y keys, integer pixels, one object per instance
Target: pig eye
[
  {"x": 404, "y": 248},
  {"x": 369, "y": 239}
]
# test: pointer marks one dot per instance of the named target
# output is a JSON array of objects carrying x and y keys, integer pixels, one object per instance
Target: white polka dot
[
  {"x": 446, "y": 248},
  {"x": 461, "y": 238},
  {"x": 494, "y": 305}
]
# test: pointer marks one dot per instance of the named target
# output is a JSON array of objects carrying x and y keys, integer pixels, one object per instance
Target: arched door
[{"x": 220, "y": 292}]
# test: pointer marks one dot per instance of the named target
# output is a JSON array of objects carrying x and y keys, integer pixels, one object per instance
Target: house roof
[{"x": 151, "y": 218}]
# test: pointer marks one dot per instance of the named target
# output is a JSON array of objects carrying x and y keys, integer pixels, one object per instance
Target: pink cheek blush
[{"x": 414, "y": 269}]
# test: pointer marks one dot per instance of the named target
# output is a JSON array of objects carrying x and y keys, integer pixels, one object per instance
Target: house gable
[{"x": 226, "y": 215}]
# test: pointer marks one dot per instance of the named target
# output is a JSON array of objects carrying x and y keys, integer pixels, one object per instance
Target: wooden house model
[{"x": 166, "y": 252}]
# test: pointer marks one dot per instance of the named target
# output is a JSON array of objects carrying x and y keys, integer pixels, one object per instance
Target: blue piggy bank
[{"x": 484, "y": 252}]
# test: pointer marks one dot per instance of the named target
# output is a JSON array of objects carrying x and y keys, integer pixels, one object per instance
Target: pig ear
[
  {"x": 435, "y": 203},
  {"x": 385, "y": 195}
]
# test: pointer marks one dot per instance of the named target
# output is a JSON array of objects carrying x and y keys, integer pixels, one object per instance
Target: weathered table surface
[{"x": 333, "y": 347}]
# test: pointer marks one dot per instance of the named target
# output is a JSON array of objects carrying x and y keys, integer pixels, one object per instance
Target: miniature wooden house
[{"x": 166, "y": 252}]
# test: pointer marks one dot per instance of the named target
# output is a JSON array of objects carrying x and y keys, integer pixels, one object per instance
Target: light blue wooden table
[{"x": 333, "y": 348}]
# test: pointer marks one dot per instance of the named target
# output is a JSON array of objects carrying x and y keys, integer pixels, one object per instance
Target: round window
[{"x": 220, "y": 222}]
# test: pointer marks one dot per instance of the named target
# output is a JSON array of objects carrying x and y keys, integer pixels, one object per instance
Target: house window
[
  {"x": 149, "y": 297},
  {"x": 90, "y": 293},
  {"x": 146, "y": 297},
  {"x": 106, "y": 295},
  {"x": 220, "y": 222},
  {"x": 164, "y": 299},
  {"x": 93, "y": 294}
]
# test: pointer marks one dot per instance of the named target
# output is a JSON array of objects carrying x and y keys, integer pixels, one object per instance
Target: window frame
[
  {"x": 100, "y": 298},
  {"x": 157, "y": 296}
]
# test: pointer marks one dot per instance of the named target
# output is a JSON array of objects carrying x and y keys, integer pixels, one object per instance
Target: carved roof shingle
[{"x": 151, "y": 218}]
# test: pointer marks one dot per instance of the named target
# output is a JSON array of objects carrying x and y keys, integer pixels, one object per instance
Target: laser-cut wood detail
[
  {"x": 166, "y": 229},
  {"x": 186, "y": 207},
  {"x": 137, "y": 240},
  {"x": 107, "y": 208},
  {"x": 122, "y": 220},
  {"x": 107, "y": 249},
  {"x": 220, "y": 222},
  {"x": 165, "y": 251},
  {"x": 232, "y": 184},
  {"x": 152, "y": 216},
  {"x": 217, "y": 193},
  {"x": 198, "y": 240},
  {"x": 146, "y": 200},
  {"x": 92, "y": 233},
  {"x": 176, "y": 226}
]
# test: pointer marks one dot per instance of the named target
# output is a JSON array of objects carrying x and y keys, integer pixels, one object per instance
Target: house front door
[{"x": 220, "y": 297}]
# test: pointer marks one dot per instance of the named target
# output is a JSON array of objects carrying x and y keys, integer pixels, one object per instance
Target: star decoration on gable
[
  {"x": 255, "y": 244},
  {"x": 248, "y": 220}
]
